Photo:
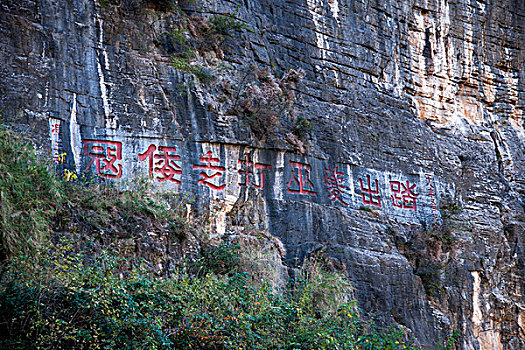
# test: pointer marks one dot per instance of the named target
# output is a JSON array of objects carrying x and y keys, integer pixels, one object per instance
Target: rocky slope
[{"x": 388, "y": 134}]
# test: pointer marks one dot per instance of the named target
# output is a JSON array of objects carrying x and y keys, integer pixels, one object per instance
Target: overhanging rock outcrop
[{"x": 401, "y": 152}]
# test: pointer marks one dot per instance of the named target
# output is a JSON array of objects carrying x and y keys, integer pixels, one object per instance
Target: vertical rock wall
[{"x": 412, "y": 173}]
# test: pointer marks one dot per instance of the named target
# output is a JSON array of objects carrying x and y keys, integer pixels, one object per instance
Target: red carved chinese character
[
  {"x": 208, "y": 158},
  {"x": 249, "y": 172},
  {"x": 104, "y": 154},
  {"x": 164, "y": 162},
  {"x": 302, "y": 179},
  {"x": 56, "y": 141},
  {"x": 403, "y": 196},
  {"x": 55, "y": 151},
  {"x": 334, "y": 183},
  {"x": 370, "y": 193},
  {"x": 55, "y": 129}
]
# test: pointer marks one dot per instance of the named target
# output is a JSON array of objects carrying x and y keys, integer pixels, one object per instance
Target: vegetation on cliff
[{"x": 68, "y": 282}]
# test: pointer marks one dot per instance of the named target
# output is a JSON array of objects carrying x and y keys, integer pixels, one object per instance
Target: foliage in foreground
[{"x": 69, "y": 300}]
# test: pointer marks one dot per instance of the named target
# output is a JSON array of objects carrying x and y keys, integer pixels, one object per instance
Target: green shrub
[
  {"x": 71, "y": 300},
  {"x": 30, "y": 195},
  {"x": 224, "y": 25},
  {"x": 68, "y": 300},
  {"x": 222, "y": 259},
  {"x": 183, "y": 65}
]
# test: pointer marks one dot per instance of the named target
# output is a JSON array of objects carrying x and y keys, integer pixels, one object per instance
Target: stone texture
[{"x": 400, "y": 88}]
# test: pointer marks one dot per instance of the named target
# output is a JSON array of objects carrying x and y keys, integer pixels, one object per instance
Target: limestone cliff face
[{"x": 389, "y": 134}]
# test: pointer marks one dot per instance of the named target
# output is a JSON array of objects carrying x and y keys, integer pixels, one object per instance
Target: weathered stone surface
[{"x": 393, "y": 90}]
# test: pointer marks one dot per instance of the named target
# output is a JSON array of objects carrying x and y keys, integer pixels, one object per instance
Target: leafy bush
[
  {"x": 30, "y": 195},
  {"x": 222, "y": 259},
  {"x": 223, "y": 25},
  {"x": 64, "y": 301},
  {"x": 184, "y": 65},
  {"x": 70, "y": 300}
]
